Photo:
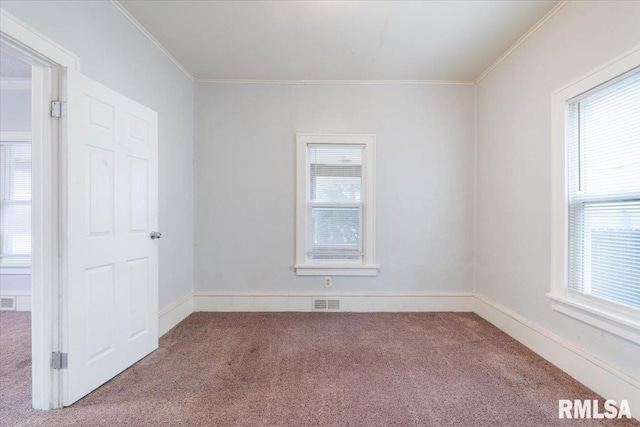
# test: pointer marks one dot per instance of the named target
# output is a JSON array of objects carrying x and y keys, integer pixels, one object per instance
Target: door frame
[{"x": 49, "y": 201}]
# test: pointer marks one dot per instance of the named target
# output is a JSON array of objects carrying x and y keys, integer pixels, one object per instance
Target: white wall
[
  {"x": 245, "y": 179},
  {"x": 113, "y": 52},
  {"x": 15, "y": 110},
  {"x": 514, "y": 165}
]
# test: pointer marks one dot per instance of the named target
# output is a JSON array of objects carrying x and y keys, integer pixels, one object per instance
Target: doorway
[
  {"x": 16, "y": 118},
  {"x": 94, "y": 218},
  {"x": 34, "y": 72}
]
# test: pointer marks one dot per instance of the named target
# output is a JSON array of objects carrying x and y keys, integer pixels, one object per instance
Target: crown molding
[
  {"x": 336, "y": 82},
  {"x": 153, "y": 40},
  {"x": 522, "y": 39},
  {"x": 478, "y": 79}
]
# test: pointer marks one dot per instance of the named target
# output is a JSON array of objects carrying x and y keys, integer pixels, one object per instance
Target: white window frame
[
  {"x": 368, "y": 265},
  {"x": 609, "y": 316},
  {"x": 8, "y": 265}
]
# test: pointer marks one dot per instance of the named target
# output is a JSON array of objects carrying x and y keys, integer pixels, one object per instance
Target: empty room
[{"x": 342, "y": 213}]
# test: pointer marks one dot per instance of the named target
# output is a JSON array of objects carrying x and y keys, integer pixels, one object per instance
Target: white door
[{"x": 112, "y": 199}]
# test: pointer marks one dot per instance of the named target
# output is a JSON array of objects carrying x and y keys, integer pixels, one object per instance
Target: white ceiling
[{"x": 337, "y": 40}]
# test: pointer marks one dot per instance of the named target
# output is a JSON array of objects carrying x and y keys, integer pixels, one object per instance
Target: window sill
[
  {"x": 336, "y": 270},
  {"x": 15, "y": 270},
  {"x": 614, "y": 321}
]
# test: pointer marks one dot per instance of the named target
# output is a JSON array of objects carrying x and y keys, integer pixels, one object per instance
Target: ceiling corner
[{"x": 153, "y": 40}]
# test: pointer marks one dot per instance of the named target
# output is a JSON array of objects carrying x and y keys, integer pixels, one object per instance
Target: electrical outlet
[{"x": 327, "y": 282}]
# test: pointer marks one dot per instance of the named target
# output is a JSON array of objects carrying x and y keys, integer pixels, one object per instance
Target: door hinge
[
  {"x": 58, "y": 360},
  {"x": 58, "y": 109}
]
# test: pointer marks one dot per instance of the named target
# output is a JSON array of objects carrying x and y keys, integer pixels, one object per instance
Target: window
[
  {"x": 15, "y": 200},
  {"x": 598, "y": 280},
  {"x": 335, "y": 205}
]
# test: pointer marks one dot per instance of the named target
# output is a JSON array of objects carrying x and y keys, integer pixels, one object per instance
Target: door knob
[{"x": 155, "y": 235}]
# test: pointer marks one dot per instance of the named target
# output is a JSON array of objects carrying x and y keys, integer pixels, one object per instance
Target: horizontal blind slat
[{"x": 603, "y": 135}]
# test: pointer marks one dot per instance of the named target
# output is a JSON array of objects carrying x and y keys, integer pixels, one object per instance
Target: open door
[{"x": 111, "y": 314}]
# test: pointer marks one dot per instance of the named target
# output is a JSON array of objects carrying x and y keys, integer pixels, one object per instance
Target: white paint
[
  {"x": 115, "y": 53},
  {"x": 147, "y": 34},
  {"x": 22, "y": 300},
  {"x": 367, "y": 266},
  {"x": 50, "y": 141},
  {"x": 600, "y": 376},
  {"x": 15, "y": 276},
  {"x": 15, "y": 283},
  {"x": 175, "y": 313},
  {"x": 522, "y": 39},
  {"x": 245, "y": 179},
  {"x": 324, "y": 40},
  {"x": 583, "y": 365},
  {"x": 303, "y": 302},
  {"x": 514, "y": 166},
  {"x": 608, "y": 316},
  {"x": 15, "y": 109},
  {"x": 513, "y": 169},
  {"x": 338, "y": 82},
  {"x": 112, "y": 287},
  {"x": 15, "y": 118}
]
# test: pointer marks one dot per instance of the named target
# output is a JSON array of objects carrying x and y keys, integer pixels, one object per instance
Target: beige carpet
[{"x": 295, "y": 369}]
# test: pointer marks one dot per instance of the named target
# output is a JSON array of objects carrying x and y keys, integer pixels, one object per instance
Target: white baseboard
[
  {"x": 211, "y": 301},
  {"x": 23, "y": 300},
  {"x": 175, "y": 313},
  {"x": 596, "y": 374},
  {"x": 599, "y": 376}
]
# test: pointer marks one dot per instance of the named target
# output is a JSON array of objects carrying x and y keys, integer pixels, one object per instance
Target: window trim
[
  {"x": 608, "y": 316},
  {"x": 22, "y": 265},
  {"x": 302, "y": 266}
]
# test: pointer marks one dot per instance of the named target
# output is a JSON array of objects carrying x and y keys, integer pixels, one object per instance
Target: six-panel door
[{"x": 113, "y": 263}]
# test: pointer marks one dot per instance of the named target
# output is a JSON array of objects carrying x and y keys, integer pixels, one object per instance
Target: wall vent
[
  {"x": 8, "y": 304},
  {"x": 322, "y": 304}
]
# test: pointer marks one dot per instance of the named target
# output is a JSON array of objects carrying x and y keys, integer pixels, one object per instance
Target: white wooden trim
[
  {"x": 522, "y": 39},
  {"x": 49, "y": 254},
  {"x": 624, "y": 325},
  {"x": 336, "y": 82},
  {"x": 10, "y": 266},
  {"x": 23, "y": 300},
  {"x": 15, "y": 84},
  {"x": 369, "y": 266},
  {"x": 174, "y": 313},
  {"x": 559, "y": 196},
  {"x": 591, "y": 371},
  {"x": 34, "y": 41},
  {"x": 596, "y": 374},
  {"x": 303, "y": 302},
  {"x": 15, "y": 270},
  {"x": 16, "y": 136},
  {"x": 120, "y": 8},
  {"x": 334, "y": 270}
]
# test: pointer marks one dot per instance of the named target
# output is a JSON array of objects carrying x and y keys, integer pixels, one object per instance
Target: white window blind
[
  {"x": 604, "y": 192},
  {"x": 15, "y": 201},
  {"x": 335, "y": 205}
]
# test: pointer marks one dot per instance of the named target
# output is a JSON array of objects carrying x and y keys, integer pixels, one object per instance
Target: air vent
[
  {"x": 8, "y": 304},
  {"x": 321, "y": 304}
]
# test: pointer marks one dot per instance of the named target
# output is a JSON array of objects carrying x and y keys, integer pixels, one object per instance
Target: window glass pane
[
  {"x": 335, "y": 233},
  {"x": 612, "y": 244},
  {"x": 604, "y": 192},
  {"x": 15, "y": 229},
  {"x": 15, "y": 200},
  {"x": 610, "y": 138},
  {"x": 335, "y": 173}
]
